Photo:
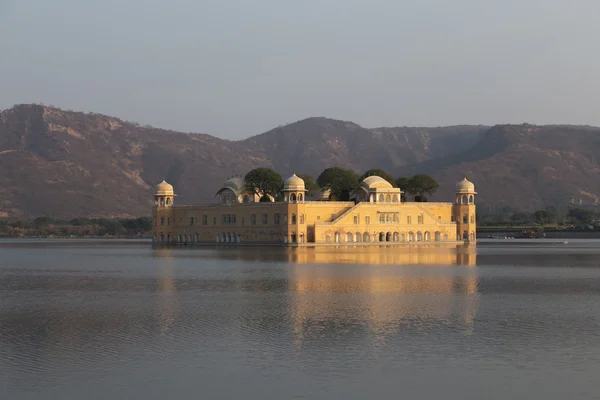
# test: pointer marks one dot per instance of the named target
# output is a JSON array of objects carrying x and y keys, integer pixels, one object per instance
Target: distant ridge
[{"x": 67, "y": 164}]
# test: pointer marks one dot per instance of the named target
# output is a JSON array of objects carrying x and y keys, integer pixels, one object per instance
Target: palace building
[{"x": 376, "y": 215}]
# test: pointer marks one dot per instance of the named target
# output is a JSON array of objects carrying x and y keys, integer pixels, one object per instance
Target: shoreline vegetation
[{"x": 78, "y": 228}]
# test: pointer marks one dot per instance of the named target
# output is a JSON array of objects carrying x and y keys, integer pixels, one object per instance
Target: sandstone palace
[{"x": 375, "y": 215}]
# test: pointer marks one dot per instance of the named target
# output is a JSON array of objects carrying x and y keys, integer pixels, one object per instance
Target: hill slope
[{"x": 66, "y": 164}]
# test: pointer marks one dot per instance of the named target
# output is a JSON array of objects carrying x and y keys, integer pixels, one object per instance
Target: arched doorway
[
  {"x": 427, "y": 236},
  {"x": 357, "y": 237},
  {"x": 411, "y": 236},
  {"x": 349, "y": 237},
  {"x": 381, "y": 236},
  {"x": 438, "y": 236},
  {"x": 388, "y": 237},
  {"x": 396, "y": 237},
  {"x": 366, "y": 237},
  {"x": 419, "y": 236}
]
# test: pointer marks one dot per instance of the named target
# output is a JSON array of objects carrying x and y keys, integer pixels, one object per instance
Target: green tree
[
  {"x": 421, "y": 184},
  {"x": 340, "y": 181},
  {"x": 310, "y": 184},
  {"x": 42, "y": 222},
  {"x": 381, "y": 173},
  {"x": 404, "y": 185},
  {"x": 544, "y": 217},
  {"x": 264, "y": 182},
  {"x": 581, "y": 215},
  {"x": 521, "y": 217}
]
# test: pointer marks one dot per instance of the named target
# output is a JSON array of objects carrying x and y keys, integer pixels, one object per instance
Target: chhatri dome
[
  {"x": 164, "y": 189},
  {"x": 236, "y": 184},
  {"x": 294, "y": 182},
  {"x": 465, "y": 186},
  {"x": 375, "y": 182}
]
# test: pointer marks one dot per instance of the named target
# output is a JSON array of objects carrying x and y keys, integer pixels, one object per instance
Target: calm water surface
[{"x": 123, "y": 320}]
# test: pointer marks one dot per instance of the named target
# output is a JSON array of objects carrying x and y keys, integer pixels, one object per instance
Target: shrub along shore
[{"x": 45, "y": 227}]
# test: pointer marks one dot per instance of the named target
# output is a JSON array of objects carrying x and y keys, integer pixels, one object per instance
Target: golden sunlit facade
[{"x": 376, "y": 215}]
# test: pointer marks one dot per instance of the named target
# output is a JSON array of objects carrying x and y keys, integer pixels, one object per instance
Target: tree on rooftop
[
  {"x": 340, "y": 181},
  {"x": 309, "y": 184},
  {"x": 404, "y": 185},
  {"x": 421, "y": 184},
  {"x": 264, "y": 182}
]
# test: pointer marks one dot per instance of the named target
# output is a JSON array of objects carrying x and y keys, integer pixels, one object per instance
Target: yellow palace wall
[
  {"x": 391, "y": 222},
  {"x": 305, "y": 222}
]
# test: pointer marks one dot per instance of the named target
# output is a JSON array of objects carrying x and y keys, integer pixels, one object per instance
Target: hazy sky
[{"x": 235, "y": 68}]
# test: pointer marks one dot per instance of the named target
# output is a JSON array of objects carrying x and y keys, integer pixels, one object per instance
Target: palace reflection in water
[{"x": 88, "y": 320}]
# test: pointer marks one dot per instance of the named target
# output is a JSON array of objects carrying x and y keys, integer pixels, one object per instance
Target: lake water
[{"x": 123, "y": 320}]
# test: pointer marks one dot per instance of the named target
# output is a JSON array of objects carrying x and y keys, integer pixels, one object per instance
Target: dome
[
  {"x": 235, "y": 184},
  {"x": 294, "y": 182},
  {"x": 374, "y": 181},
  {"x": 465, "y": 186},
  {"x": 164, "y": 189}
]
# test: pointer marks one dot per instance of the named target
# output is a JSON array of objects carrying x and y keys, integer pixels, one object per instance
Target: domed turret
[
  {"x": 465, "y": 186},
  {"x": 293, "y": 189},
  {"x": 294, "y": 182},
  {"x": 164, "y": 189}
]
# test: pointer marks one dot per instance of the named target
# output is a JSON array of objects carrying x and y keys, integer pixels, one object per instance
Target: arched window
[
  {"x": 381, "y": 198},
  {"x": 168, "y": 201},
  {"x": 465, "y": 199},
  {"x": 366, "y": 237},
  {"x": 411, "y": 236},
  {"x": 427, "y": 236},
  {"x": 300, "y": 197},
  {"x": 357, "y": 237},
  {"x": 465, "y": 219},
  {"x": 381, "y": 237},
  {"x": 395, "y": 198},
  {"x": 301, "y": 218},
  {"x": 276, "y": 219},
  {"x": 471, "y": 199},
  {"x": 253, "y": 219},
  {"x": 162, "y": 202},
  {"x": 388, "y": 198},
  {"x": 396, "y": 237},
  {"x": 349, "y": 237},
  {"x": 419, "y": 236},
  {"x": 265, "y": 219},
  {"x": 293, "y": 218},
  {"x": 293, "y": 197},
  {"x": 438, "y": 236}
]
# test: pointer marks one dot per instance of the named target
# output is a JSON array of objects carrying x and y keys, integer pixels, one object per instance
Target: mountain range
[{"x": 72, "y": 164}]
